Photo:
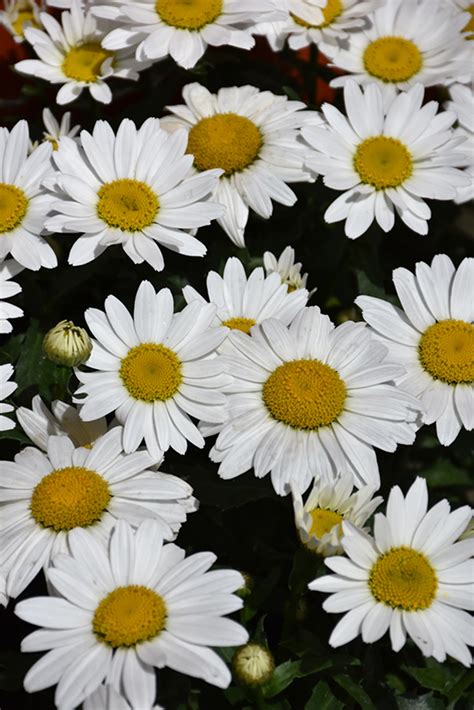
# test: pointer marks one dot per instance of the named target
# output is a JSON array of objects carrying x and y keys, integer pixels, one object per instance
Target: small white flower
[
  {"x": 386, "y": 161},
  {"x": 67, "y": 344},
  {"x": 46, "y": 496},
  {"x": 253, "y": 137},
  {"x": 175, "y": 611},
  {"x": 462, "y": 103},
  {"x": 182, "y": 29},
  {"x": 319, "y": 520},
  {"x": 155, "y": 370},
  {"x": 71, "y": 54},
  {"x": 412, "y": 578},
  {"x": 288, "y": 270},
  {"x": 8, "y": 288},
  {"x": 131, "y": 188},
  {"x": 6, "y": 389},
  {"x": 433, "y": 338},
  {"x": 39, "y": 424},
  {"x": 24, "y": 203},
  {"x": 17, "y": 15},
  {"x": 55, "y": 130}
]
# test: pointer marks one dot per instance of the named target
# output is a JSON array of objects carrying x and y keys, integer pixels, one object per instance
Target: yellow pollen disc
[
  {"x": 331, "y": 12},
  {"x": 446, "y": 351},
  {"x": 243, "y": 324},
  {"x": 129, "y": 615},
  {"x": 225, "y": 141},
  {"x": 383, "y": 162},
  {"x": 24, "y": 17},
  {"x": 69, "y": 498},
  {"x": 129, "y": 205},
  {"x": 323, "y": 521},
  {"x": 469, "y": 28},
  {"x": 13, "y": 207},
  {"x": 83, "y": 63},
  {"x": 392, "y": 59},
  {"x": 305, "y": 394},
  {"x": 188, "y": 14},
  {"x": 404, "y": 579},
  {"x": 151, "y": 372}
]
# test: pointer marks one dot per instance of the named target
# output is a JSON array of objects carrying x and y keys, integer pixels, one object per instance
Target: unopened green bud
[
  {"x": 67, "y": 344},
  {"x": 253, "y": 664}
]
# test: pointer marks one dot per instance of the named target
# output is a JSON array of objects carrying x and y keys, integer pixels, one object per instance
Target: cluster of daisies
[{"x": 284, "y": 390}]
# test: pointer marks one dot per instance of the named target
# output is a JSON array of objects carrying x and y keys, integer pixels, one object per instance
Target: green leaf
[
  {"x": 465, "y": 682},
  {"x": 355, "y": 691},
  {"x": 323, "y": 699},
  {"x": 444, "y": 473},
  {"x": 15, "y": 435},
  {"x": 367, "y": 288},
  {"x": 282, "y": 677},
  {"x": 423, "y": 702},
  {"x": 439, "y": 679}
]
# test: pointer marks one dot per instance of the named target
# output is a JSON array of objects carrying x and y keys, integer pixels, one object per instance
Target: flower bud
[
  {"x": 253, "y": 664},
  {"x": 66, "y": 344}
]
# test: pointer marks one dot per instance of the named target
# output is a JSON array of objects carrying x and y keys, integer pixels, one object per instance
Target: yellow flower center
[
  {"x": 305, "y": 394},
  {"x": 225, "y": 141},
  {"x": 323, "y": 521},
  {"x": 24, "y": 17},
  {"x": 332, "y": 11},
  {"x": 243, "y": 324},
  {"x": 404, "y": 579},
  {"x": 129, "y": 205},
  {"x": 446, "y": 351},
  {"x": 383, "y": 162},
  {"x": 13, "y": 207},
  {"x": 71, "y": 497},
  {"x": 129, "y": 615},
  {"x": 151, "y": 372},
  {"x": 188, "y": 14},
  {"x": 469, "y": 28},
  {"x": 392, "y": 59},
  {"x": 84, "y": 63}
]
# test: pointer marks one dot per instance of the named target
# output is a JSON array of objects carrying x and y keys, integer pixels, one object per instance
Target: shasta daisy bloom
[
  {"x": 55, "y": 130},
  {"x": 45, "y": 496},
  {"x": 8, "y": 288},
  {"x": 466, "y": 7},
  {"x": 155, "y": 370},
  {"x": 432, "y": 336},
  {"x": 386, "y": 161},
  {"x": 253, "y": 137},
  {"x": 412, "y": 578},
  {"x": 125, "y": 610},
  {"x": 6, "y": 389},
  {"x": 107, "y": 698},
  {"x": 184, "y": 29},
  {"x": 24, "y": 204},
  {"x": 242, "y": 302},
  {"x": 71, "y": 54},
  {"x": 321, "y": 22},
  {"x": 288, "y": 270},
  {"x": 462, "y": 103},
  {"x": 17, "y": 15},
  {"x": 330, "y": 503},
  {"x": 406, "y": 43},
  {"x": 309, "y": 401},
  {"x": 133, "y": 189},
  {"x": 39, "y": 424}
]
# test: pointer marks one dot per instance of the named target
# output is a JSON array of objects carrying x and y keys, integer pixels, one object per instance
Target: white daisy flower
[
  {"x": 17, "y": 15},
  {"x": 433, "y": 338},
  {"x": 55, "y": 130},
  {"x": 174, "y": 611},
  {"x": 44, "y": 497},
  {"x": 253, "y": 136},
  {"x": 288, "y": 270},
  {"x": 406, "y": 43},
  {"x": 155, "y": 370},
  {"x": 462, "y": 103},
  {"x": 318, "y": 22},
  {"x": 386, "y": 161},
  {"x": 107, "y": 698},
  {"x": 6, "y": 389},
  {"x": 242, "y": 302},
  {"x": 39, "y": 423},
  {"x": 412, "y": 578},
  {"x": 467, "y": 7},
  {"x": 8, "y": 288},
  {"x": 71, "y": 54},
  {"x": 311, "y": 400},
  {"x": 184, "y": 29},
  {"x": 133, "y": 189},
  {"x": 319, "y": 519},
  {"x": 24, "y": 204}
]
